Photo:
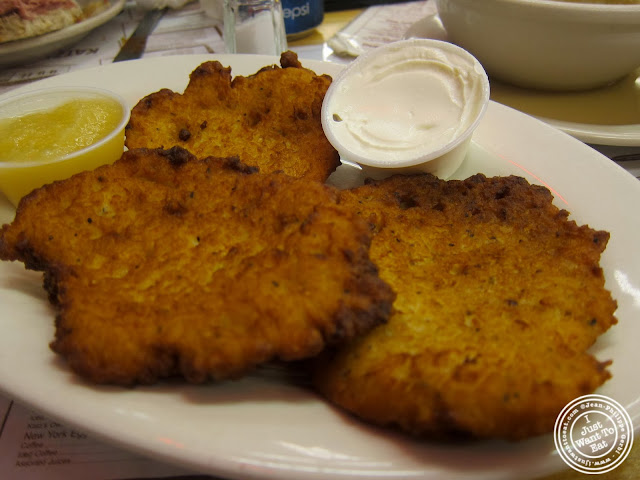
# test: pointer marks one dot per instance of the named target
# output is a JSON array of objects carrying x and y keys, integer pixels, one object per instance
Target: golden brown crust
[
  {"x": 499, "y": 296},
  {"x": 270, "y": 119},
  {"x": 162, "y": 264}
]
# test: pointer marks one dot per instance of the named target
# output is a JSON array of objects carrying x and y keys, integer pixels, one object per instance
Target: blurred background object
[
  {"x": 302, "y": 16},
  {"x": 254, "y": 26},
  {"x": 213, "y": 8},
  {"x": 547, "y": 44}
]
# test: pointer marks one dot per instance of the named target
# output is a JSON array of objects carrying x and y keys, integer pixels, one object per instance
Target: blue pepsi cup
[{"x": 301, "y": 16}]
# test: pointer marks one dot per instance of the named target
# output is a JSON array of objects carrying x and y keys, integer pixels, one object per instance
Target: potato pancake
[
  {"x": 499, "y": 296},
  {"x": 270, "y": 119},
  {"x": 162, "y": 265}
]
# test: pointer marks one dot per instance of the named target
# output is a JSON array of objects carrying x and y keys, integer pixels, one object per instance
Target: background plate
[
  {"x": 265, "y": 427},
  {"x": 34, "y": 48},
  {"x": 602, "y": 116}
]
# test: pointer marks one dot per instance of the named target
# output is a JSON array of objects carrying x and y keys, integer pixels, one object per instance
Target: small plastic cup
[
  {"x": 407, "y": 107},
  {"x": 18, "y": 178}
]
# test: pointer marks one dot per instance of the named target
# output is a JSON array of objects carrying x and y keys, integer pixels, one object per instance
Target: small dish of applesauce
[{"x": 51, "y": 134}]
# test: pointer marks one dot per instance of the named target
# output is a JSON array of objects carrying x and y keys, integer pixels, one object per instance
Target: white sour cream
[{"x": 405, "y": 103}]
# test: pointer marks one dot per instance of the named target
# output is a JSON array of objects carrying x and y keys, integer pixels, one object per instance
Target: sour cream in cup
[{"x": 406, "y": 107}]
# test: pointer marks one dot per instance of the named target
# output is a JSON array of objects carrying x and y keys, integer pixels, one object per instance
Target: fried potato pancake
[
  {"x": 270, "y": 119},
  {"x": 162, "y": 264},
  {"x": 499, "y": 296}
]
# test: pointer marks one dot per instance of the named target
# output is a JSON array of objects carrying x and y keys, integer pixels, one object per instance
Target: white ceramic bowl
[
  {"x": 406, "y": 107},
  {"x": 19, "y": 177},
  {"x": 547, "y": 44}
]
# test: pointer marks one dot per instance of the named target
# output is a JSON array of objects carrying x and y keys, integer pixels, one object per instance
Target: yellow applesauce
[{"x": 54, "y": 133}]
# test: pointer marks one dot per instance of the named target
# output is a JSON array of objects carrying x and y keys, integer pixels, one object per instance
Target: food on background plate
[
  {"x": 162, "y": 264},
  {"x": 270, "y": 119},
  {"x": 95, "y": 7},
  {"x": 499, "y": 296},
  {"x": 28, "y": 18}
]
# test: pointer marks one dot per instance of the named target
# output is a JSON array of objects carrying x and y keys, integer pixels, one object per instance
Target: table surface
[{"x": 334, "y": 22}]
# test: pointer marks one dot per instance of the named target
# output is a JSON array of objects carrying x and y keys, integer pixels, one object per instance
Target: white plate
[
  {"x": 34, "y": 48},
  {"x": 269, "y": 429},
  {"x": 604, "y": 116}
]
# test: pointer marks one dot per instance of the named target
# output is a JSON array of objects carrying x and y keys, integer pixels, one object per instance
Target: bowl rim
[
  {"x": 577, "y": 5},
  {"x": 574, "y": 12},
  {"x": 428, "y": 156},
  {"x": 79, "y": 90}
]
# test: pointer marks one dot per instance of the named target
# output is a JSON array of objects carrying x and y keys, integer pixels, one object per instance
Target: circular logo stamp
[{"x": 593, "y": 434}]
